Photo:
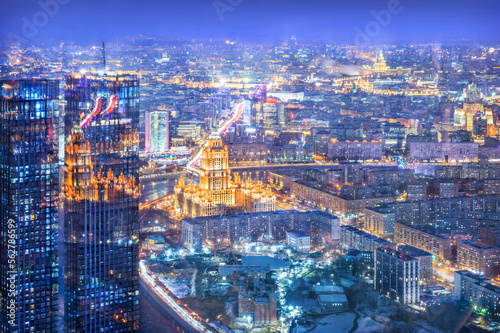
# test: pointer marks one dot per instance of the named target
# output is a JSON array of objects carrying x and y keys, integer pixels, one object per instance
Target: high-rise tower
[
  {"x": 157, "y": 131},
  {"x": 29, "y": 189},
  {"x": 101, "y": 204},
  {"x": 216, "y": 194},
  {"x": 215, "y": 175}
]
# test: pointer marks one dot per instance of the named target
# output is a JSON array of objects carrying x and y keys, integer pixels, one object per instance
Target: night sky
[{"x": 89, "y": 21}]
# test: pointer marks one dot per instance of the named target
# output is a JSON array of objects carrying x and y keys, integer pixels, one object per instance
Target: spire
[{"x": 103, "y": 58}]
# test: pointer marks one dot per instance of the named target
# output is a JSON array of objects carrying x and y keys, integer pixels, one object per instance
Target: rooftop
[
  {"x": 472, "y": 243},
  {"x": 413, "y": 251},
  {"x": 332, "y": 289},
  {"x": 296, "y": 233},
  {"x": 333, "y": 298},
  {"x": 365, "y": 234},
  {"x": 394, "y": 253},
  {"x": 263, "y": 261}
]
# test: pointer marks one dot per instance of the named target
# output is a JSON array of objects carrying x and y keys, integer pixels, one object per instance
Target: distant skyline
[{"x": 90, "y": 21}]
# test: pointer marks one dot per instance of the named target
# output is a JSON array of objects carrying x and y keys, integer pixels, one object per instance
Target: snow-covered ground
[
  {"x": 179, "y": 288},
  {"x": 368, "y": 325},
  {"x": 340, "y": 322}
]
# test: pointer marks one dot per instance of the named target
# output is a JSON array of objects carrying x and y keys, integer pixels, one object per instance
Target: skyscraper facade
[
  {"x": 101, "y": 204},
  {"x": 29, "y": 189},
  {"x": 157, "y": 132}
]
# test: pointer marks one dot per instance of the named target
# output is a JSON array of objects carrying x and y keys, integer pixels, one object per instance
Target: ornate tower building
[
  {"x": 215, "y": 174},
  {"x": 216, "y": 193},
  {"x": 473, "y": 105}
]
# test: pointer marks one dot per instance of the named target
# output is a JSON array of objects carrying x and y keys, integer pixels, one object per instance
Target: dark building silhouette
[
  {"x": 29, "y": 190},
  {"x": 101, "y": 204}
]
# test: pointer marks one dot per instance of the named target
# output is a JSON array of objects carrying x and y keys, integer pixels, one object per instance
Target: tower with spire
[{"x": 216, "y": 194}]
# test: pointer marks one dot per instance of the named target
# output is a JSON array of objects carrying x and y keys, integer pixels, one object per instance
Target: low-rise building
[
  {"x": 298, "y": 241},
  {"x": 333, "y": 302},
  {"x": 154, "y": 243},
  {"x": 328, "y": 290}
]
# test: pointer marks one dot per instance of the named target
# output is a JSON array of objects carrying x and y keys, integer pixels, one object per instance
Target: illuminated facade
[
  {"x": 355, "y": 150},
  {"x": 380, "y": 67},
  {"x": 473, "y": 105},
  {"x": 157, "y": 132},
  {"x": 101, "y": 204},
  {"x": 483, "y": 259},
  {"x": 29, "y": 192},
  {"x": 216, "y": 193}
]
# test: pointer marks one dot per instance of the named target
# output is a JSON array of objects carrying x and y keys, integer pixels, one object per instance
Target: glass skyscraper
[
  {"x": 29, "y": 189},
  {"x": 157, "y": 140},
  {"x": 101, "y": 204}
]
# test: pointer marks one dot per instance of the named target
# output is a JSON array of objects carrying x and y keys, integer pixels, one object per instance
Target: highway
[
  {"x": 164, "y": 309},
  {"x": 153, "y": 317},
  {"x": 191, "y": 165},
  {"x": 179, "y": 313}
]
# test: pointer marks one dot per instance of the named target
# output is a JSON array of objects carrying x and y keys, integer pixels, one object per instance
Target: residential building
[
  {"x": 425, "y": 260},
  {"x": 421, "y": 239},
  {"x": 354, "y": 150},
  {"x": 444, "y": 151},
  {"x": 479, "y": 258},
  {"x": 379, "y": 221},
  {"x": 397, "y": 275},
  {"x": 478, "y": 291},
  {"x": 226, "y": 229},
  {"x": 353, "y": 238}
]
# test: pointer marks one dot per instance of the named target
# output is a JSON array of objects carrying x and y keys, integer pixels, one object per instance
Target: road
[
  {"x": 445, "y": 274},
  {"x": 181, "y": 315},
  {"x": 173, "y": 320},
  {"x": 153, "y": 318},
  {"x": 288, "y": 203}
]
